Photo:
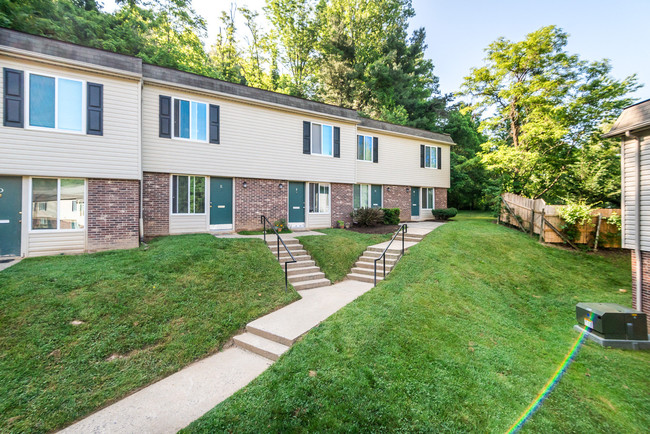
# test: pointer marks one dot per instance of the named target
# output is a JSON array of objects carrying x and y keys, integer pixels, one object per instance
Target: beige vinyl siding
[
  {"x": 316, "y": 221},
  {"x": 399, "y": 162},
  {"x": 629, "y": 191},
  {"x": 256, "y": 142},
  {"x": 188, "y": 224},
  {"x": 56, "y": 242},
  {"x": 116, "y": 154}
]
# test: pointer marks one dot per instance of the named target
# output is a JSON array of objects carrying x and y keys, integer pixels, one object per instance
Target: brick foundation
[
  {"x": 113, "y": 214},
  {"x": 260, "y": 196},
  {"x": 396, "y": 196},
  {"x": 441, "y": 198},
  {"x": 155, "y": 204},
  {"x": 342, "y": 203},
  {"x": 645, "y": 286}
]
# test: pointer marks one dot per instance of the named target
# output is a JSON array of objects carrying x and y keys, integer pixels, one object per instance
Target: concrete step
[
  {"x": 394, "y": 248},
  {"x": 304, "y": 270},
  {"x": 272, "y": 242},
  {"x": 414, "y": 239},
  {"x": 371, "y": 266},
  {"x": 294, "y": 252},
  {"x": 374, "y": 254},
  {"x": 308, "y": 284},
  {"x": 260, "y": 345},
  {"x": 371, "y": 259},
  {"x": 306, "y": 276},
  {"x": 287, "y": 258},
  {"x": 369, "y": 271},
  {"x": 299, "y": 264},
  {"x": 364, "y": 277}
]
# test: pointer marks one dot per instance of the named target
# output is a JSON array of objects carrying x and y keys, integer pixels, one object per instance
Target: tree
[
  {"x": 540, "y": 107},
  {"x": 225, "y": 55}
]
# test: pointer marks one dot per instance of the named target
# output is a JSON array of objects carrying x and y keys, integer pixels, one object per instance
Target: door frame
[
  {"x": 419, "y": 215},
  {"x": 302, "y": 224},
  {"x": 20, "y": 213},
  {"x": 208, "y": 190}
]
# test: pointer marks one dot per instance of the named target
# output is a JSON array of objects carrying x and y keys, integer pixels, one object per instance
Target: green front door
[
  {"x": 415, "y": 201},
  {"x": 296, "y": 202},
  {"x": 220, "y": 201},
  {"x": 375, "y": 196},
  {"x": 10, "y": 215}
]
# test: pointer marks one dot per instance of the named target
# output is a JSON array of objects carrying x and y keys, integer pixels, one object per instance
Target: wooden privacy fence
[{"x": 536, "y": 217}]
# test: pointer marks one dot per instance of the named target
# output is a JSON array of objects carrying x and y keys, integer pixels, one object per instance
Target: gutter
[{"x": 637, "y": 218}]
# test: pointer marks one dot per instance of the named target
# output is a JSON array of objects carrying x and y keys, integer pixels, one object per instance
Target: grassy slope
[
  {"x": 162, "y": 308},
  {"x": 460, "y": 337},
  {"x": 336, "y": 253}
]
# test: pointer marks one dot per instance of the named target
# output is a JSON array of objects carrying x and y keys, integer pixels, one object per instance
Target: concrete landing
[{"x": 6, "y": 262}]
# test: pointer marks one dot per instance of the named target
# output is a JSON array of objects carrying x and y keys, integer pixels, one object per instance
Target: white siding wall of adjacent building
[
  {"x": 399, "y": 162},
  {"x": 116, "y": 154},
  {"x": 629, "y": 174},
  {"x": 187, "y": 224},
  {"x": 256, "y": 142}
]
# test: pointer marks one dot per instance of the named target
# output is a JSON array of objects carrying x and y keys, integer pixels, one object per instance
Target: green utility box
[{"x": 612, "y": 321}]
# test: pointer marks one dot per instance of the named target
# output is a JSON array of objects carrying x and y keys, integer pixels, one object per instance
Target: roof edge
[{"x": 409, "y": 131}]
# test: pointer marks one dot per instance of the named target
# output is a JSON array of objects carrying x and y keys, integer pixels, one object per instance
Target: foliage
[
  {"x": 341, "y": 224},
  {"x": 396, "y": 359},
  {"x": 391, "y": 216},
  {"x": 615, "y": 220},
  {"x": 543, "y": 111},
  {"x": 145, "y": 313},
  {"x": 368, "y": 216},
  {"x": 575, "y": 214},
  {"x": 281, "y": 225},
  {"x": 444, "y": 213}
]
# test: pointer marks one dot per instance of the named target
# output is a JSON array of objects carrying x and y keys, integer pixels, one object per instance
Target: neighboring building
[
  {"x": 633, "y": 127},
  {"x": 98, "y": 149}
]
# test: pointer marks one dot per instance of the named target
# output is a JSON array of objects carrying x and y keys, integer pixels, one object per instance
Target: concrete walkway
[{"x": 9, "y": 261}]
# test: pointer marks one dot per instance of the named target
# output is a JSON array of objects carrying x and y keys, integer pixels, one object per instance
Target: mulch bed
[{"x": 380, "y": 229}]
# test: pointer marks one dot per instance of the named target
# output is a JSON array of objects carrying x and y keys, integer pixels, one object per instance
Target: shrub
[
  {"x": 341, "y": 224},
  {"x": 574, "y": 214},
  {"x": 368, "y": 216},
  {"x": 281, "y": 226},
  {"x": 615, "y": 220},
  {"x": 391, "y": 216},
  {"x": 444, "y": 213}
]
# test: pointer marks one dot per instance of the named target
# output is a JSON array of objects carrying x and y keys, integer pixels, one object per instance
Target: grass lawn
[
  {"x": 459, "y": 338},
  {"x": 145, "y": 313},
  {"x": 336, "y": 253}
]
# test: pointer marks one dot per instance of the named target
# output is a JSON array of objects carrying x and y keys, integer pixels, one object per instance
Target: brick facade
[
  {"x": 260, "y": 196},
  {"x": 441, "y": 198},
  {"x": 645, "y": 286},
  {"x": 155, "y": 204},
  {"x": 342, "y": 203},
  {"x": 396, "y": 196},
  {"x": 113, "y": 214}
]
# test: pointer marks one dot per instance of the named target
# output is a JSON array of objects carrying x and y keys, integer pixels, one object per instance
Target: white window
[
  {"x": 322, "y": 139},
  {"x": 190, "y": 120},
  {"x": 56, "y": 103},
  {"x": 428, "y": 198},
  {"x": 364, "y": 148},
  {"x": 319, "y": 198},
  {"x": 431, "y": 157},
  {"x": 188, "y": 194},
  {"x": 58, "y": 204},
  {"x": 363, "y": 196}
]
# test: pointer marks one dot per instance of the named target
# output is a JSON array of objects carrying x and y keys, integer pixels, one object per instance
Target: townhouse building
[{"x": 99, "y": 149}]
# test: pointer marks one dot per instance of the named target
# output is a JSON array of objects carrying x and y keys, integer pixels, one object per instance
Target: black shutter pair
[
  {"x": 14, "y": 101},
  {"x": 165, "y": 119},
  {"x": 438, "y": 159},
  {"x": 306, "y": 139}
]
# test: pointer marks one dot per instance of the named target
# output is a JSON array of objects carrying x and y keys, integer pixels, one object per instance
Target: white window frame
[
  {"x": 311, "y": 139},
  {"x": 58, "y": 205},
  {"x": 372, "y": 148},
  {"x": 171, "y": 196},
  {"x": 428, "y": 148},
  {"x": 207, "y": 121},
  {"x": 422, "y": 189},
  {"x": 84, "y": 104},
  {"x": 381, "y": 204},
  {"x": 329, "y": 197}
]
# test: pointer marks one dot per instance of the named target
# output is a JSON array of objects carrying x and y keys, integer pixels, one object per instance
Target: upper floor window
[
  {"x": 58, "y": 203},
  {"x": 56, "y": 103},
  {"x": 319, "y": 198},
  {"x": 188, "y": 194},
  {"x": 322, "y": 139},
  {"x": 428, "y": 198},
  {"x": 190, "y": 120},
  {"x": 364, "y": 148},
  {"x": 431, "y": 157}
]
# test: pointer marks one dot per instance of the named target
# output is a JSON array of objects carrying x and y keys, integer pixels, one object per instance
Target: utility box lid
[{"x": 612, "y": 321}]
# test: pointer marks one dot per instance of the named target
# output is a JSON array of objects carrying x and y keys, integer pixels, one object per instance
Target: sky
[{"x": 458, "y": 31}]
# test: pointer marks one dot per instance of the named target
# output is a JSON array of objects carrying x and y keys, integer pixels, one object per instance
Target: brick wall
[
  {"x": 260, "y": 196},
  {"x": 155, "y": 204},
  {"x": 342, "y": 203},
  {"x": 396, "y": 196},
  {"x": 441, "y": 198},
  {"x": 645, "y": 286},
  {"x": 113, "y": 214}
]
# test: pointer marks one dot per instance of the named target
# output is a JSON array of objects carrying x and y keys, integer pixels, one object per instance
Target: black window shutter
[
  {"x": 375, "y": 150},
  {"x": 14, "y": 98},
  {"x": 421, "y": 155},
  {"x": 165, "y": 117},
  {"x": 214, "y": 124},
  {"x": 177, "y": 114},
  {"x": 439, "y": 159},
  {"x": 306, "y": 137},
  {"x": 337, "y": 142},
  {"x": 95, "y": 109}
]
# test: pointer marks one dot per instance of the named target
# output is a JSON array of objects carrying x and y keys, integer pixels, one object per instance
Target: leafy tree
[
  {"x": 225, "y": 54},
  {"x": 540, "y": 108}
]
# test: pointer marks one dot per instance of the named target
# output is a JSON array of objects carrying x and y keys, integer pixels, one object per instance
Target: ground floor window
[
  {"x": 58, "y": 203},
  {"x": 428, "y": 198},
  {"x": 319, "y": 198},
  {"x": 362, "y": 197},
  {"x": 188, "y": 194}
]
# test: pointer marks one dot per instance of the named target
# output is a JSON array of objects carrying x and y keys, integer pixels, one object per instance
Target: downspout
[
  {"x": 141, "y": 211},
  {"x": 637, "y": 221}
]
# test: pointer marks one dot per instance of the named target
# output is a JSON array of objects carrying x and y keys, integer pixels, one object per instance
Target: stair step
[
  {"x": 371, "y": 265},
  {"x": 288, "y": 241},
  {"x": 364, "y": 277},
  {"x": 299, "y": 264},
  {"x": 259, "y": 345},
  {"x": 412, "y": 239},
  {"x": 371, "y": 259},
  {"x": 294, "y": 252},
  {"x": 308, "y": 284},
  {"x": 369, "y": 271},
  {"x": 287, "y": 258},
  {"x": 302, "y": 270},
  {"x": 389, "y": 254},
  {"x": 306, "y": 276},
  {"x": 394, "y": 249}
]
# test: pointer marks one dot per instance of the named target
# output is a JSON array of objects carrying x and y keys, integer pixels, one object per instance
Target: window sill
[
  {"x": 187, "y": 214},
  {"x": 322, "y": 155},
  {"x": 49, "y": 231},
  {"x": 320, "y": 213},
  {"x": 56, "y": 130},
  {"x": 181, "y": 139}
]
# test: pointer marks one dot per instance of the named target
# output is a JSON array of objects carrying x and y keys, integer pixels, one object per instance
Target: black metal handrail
[
  {"x": 403, "y": 228},
  {"x": 264, "y": 221}
]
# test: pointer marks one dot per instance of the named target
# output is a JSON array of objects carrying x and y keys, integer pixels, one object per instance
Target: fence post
[
  {"x": 532, "y": 222},
  {"x": 541, "y": 228},
  {"x": 600, "y": 217}
]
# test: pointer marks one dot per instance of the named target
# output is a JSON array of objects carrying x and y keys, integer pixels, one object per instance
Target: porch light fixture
[
  {"x": 281, "y": 186},
  {"x": 408, "y": 189},
  {"x": 245, "y": 184},
  {"x": 387, "y": 188}
]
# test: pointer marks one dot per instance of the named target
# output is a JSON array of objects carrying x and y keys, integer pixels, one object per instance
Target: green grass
[
  {"x": 153, "y": 310},
  {"x": 337, "y": 252},
  {"x": 460, "y": 338}
]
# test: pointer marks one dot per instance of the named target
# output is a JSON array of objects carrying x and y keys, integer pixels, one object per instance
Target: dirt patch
[{"x": 380, "y": 229}]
